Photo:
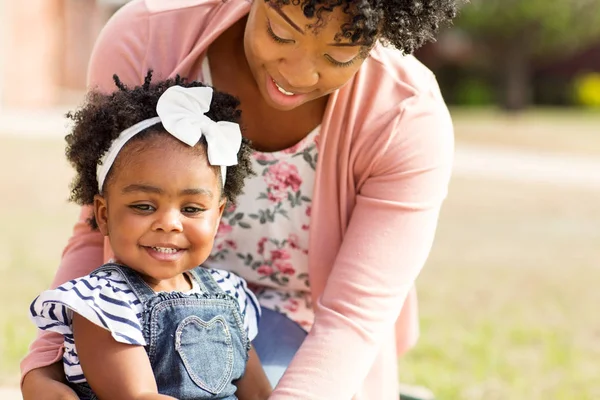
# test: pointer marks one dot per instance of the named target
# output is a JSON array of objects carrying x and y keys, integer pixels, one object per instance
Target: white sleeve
[
  {"x": 103, "y": 298},
  {"x": 249, "y": 306}
]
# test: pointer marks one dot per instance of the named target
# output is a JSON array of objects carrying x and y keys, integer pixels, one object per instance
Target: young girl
[{"x": 154, "y": 321}]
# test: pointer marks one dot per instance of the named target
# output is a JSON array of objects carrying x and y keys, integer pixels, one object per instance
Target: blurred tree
[{"x": 517, "y": 31}]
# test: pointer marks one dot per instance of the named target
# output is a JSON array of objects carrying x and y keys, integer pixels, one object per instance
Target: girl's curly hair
[
  {"x": 405, "y": 24},
  {"x": 104, "y": 116}
]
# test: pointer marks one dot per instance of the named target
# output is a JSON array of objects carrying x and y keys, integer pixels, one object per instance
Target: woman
[{"x": 353, "y": 149}]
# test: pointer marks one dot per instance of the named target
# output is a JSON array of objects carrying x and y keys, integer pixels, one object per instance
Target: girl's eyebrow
[
  {"x": 137, "y": 187},
  {"x": 196, "y": 191},
  {"x": 287, "y": 19}
]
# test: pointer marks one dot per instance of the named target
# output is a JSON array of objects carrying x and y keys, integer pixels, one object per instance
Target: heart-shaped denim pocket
[{"x": 206, "y": 350}]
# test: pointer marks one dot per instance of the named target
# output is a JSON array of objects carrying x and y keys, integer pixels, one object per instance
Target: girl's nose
[{"x": 168, "y": 221}]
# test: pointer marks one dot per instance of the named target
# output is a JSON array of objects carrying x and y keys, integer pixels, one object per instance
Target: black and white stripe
[{"x": 105, "y": 299}]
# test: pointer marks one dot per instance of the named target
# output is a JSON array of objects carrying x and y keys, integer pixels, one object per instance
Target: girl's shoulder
[
  {"x": 237, "y": 287},
  {"x": 103, "y": 297}
]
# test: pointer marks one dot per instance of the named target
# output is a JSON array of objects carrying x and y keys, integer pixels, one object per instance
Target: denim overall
[{"x": 196, "y": 343}]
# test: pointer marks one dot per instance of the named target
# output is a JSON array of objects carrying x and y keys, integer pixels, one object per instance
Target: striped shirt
[{"x": 105, "y": 299}]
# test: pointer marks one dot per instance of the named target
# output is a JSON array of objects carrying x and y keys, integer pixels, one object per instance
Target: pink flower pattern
[{"x": 264, "y": 238}]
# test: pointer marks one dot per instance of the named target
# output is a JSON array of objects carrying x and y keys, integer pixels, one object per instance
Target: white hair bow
[{"x": 182, "y": 113}]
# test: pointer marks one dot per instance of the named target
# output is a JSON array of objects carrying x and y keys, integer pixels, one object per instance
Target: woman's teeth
[
  {"x": 282, "y": 90},
  {"x": 164, "y": 249}
]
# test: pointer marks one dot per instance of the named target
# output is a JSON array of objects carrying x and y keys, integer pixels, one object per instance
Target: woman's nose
[
  {"x": 300, "y": 73},
  {"x": 168, "y": 221}
]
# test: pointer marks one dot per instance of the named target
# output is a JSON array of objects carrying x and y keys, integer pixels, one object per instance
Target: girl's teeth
[
  {"x": 164, "y": 249},
  {"x": 282, "y": 90}
]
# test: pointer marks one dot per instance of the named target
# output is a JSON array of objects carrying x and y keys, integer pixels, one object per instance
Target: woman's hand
[{"x": 47, "y": 383}]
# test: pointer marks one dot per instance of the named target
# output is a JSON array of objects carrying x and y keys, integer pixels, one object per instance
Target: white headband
[{"x": 181, "y": 111}]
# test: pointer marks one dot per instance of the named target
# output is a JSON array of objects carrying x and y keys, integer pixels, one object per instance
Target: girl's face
[
  {"x": 161, "y": 209},
  {"x": 290, "y": 62}
]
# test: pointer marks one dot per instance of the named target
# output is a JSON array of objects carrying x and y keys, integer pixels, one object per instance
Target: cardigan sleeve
[
  {"x": 81, "y": 256},
  {"x": 120, "y": 49},
  {"x": 385, "y": 246}
]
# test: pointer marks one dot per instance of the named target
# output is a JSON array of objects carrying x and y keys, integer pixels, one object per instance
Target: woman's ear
[{"x": 101, "y": 214}]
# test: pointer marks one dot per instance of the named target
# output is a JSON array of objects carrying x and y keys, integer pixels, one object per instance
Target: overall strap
[
  {"x": 206, "y": 280},
  {"x": 140, "y": 288}
]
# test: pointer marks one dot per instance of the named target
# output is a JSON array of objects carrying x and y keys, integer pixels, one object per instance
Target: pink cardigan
[{"x": 385, "y": 155}]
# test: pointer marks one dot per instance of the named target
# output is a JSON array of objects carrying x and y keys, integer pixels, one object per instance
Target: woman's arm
[
  {"x": 254, "y": 385},
  {"x": 113, "y": 370},
  {"x": 386, "y": 243},
  {"x": 82, "y": 255},
  {"x": 120, "y": 49}
]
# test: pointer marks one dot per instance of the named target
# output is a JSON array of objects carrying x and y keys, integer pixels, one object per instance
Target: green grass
[
  {"x": 36, "y": 222},
  {"x": 508, "y": 297}
]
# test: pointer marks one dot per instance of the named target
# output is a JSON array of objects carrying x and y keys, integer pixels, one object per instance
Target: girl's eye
[
  {"x": 192, "y": 210},
  {"x": 340, "y": 63},
  {"x": 142, "y": 207},
  {"x": 275, "y": 37}
]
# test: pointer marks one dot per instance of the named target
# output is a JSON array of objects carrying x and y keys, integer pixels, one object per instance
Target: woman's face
[{"x": 291, "y": 63}]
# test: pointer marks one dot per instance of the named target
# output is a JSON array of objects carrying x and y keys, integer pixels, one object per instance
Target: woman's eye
[
  {"x": 340, "y": 64},
  {"x": 275, "y": 37},
  {"x": 142, "y": 207}
]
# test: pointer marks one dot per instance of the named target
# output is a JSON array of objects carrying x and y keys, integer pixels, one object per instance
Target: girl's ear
[
  {"x": 101, "y": 214},
  {"x": 221, "y": 209}
]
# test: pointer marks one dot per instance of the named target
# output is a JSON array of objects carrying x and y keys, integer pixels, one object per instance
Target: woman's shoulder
[
  {"x": 200, "y": 11},
  {"x": 203, "y": 12},
  {"x": 391, "y": 83},
  {"x": 157, "y": 6},
  {"x": 393, "y": 106},
  {"x": 165, "y": 36},
  {"x": 404, "y": 74}
]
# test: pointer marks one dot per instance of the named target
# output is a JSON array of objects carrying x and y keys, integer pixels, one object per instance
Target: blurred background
[{"x": 509, "y": 295}]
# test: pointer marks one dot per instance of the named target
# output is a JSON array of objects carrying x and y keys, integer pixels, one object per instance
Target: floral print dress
[{"x": 264, "y": 239}]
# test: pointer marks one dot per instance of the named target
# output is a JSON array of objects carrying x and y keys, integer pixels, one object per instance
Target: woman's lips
[
  {"x": 281, "y": 96},
  {"x": 282, "y": 90}
]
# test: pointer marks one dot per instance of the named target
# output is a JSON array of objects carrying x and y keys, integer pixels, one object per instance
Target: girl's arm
[
  {"x": 47, "y": 383},
  {"x": 254, "y": 385},
  {"x": 114, "y": 370}
]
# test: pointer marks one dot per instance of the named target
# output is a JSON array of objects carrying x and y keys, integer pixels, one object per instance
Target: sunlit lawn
[
  {"x": 508, "y": 298},
  {"x": 36, "y": 221},
  {"x": 573, "y": 131}
]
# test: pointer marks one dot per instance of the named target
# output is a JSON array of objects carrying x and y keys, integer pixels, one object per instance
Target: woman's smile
[{"x": 282, "y": 97}]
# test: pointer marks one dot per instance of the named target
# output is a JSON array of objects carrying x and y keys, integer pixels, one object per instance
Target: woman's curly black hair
[
  {"x": 104, "y": 116},
  {"x": 405, "y": 24}
]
